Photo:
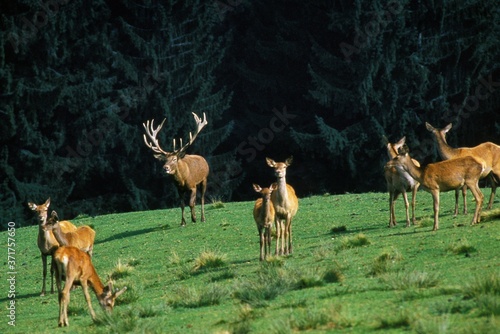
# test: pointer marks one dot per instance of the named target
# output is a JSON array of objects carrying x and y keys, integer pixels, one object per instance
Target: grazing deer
[
  {"x": 46, "y": 241},
  {"x": 263, "y": 213},
  {"x": 188, "y": 171},
  {"x": 75, "y": 266},
  {"x": 81, "y": 238},
  {"x": 399, "y": 182},
  {"x": 285, "y": 204},
  {"x": 445, "y": 176},
  {"x": 486, "y": 153}
]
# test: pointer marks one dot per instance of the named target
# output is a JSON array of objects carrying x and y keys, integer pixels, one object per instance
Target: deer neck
[
  {"x": 266, "y": 210},
  {"x": 281, "y": 192},
  {"x": 96, "y": 284},
  {"x": 59, "y": 235},
  {"x": 47, "y": 243},
  {"x": 445, "y": 151},
  {"x": 414, "y": 171}
]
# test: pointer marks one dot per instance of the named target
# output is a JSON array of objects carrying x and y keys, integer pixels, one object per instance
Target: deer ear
[
  {"x": 181, "y": 155},
  {"x": 32, "y": 206},
  {"x": 447, "y": 128},
  {"x": 257, "y": 188},
  {"x": 47, "y": 202},
  {"x": 270, "y": 162},
  {"x": 429, "y": 127},
  {"x": 273, "y": 186}
]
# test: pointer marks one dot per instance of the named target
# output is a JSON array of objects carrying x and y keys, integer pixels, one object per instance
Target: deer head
[
  {"x": 279, "y": 167},
  {"x": 108, "y": 297},
  {"x": 41, "y": 210},
  {"x": 171, "y": 158}
]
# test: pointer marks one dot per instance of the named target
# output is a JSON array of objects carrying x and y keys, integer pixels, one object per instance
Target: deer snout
[{"x": 168, "y": 169}]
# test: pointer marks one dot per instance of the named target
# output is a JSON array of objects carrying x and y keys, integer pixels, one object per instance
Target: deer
[
  {"x": 74, "y": 266},
  {"x": 445, "y": 176},
  {"x": 285, "y": 204},
  {"x": 46, "y": 241},
  {"x": 399, "y": 182},
  {"x": 188, "y": 171},
  {"x": 81, "y": 238},
  {"x": 263, "y": 213},
  {"x": 487, "y": 153}
]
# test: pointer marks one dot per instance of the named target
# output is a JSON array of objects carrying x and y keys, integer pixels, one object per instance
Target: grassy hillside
[{"x": 349, "y": 272}]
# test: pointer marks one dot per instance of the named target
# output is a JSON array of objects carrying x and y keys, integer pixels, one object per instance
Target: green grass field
[{"x": 349, "y": 272}]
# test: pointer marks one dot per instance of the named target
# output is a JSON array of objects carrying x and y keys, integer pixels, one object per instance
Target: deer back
[{"x": 191, "y": 170}]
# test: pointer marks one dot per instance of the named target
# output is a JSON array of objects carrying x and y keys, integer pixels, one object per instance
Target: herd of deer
[
  {"x": 461, "y": 168},
  {"x": 71, "y": 247}
]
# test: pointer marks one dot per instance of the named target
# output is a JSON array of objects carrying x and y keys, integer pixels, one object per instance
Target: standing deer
[
  {"x": 75, "y": 266},
  {"x": 81, "y": 238},
  {"x": 46, "y": 241},
  {"x": 188, "y": 171},
  {"x": 445, "y": 176},
  {"x": 285, "y": 204},
  {"x": 399, "y": 182},
  {"x": 486, "y": 153},
  {"x": 263, "y": 213}
]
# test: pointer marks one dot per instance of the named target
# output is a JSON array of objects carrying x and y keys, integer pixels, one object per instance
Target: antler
[
  {"x": 199, "y": 126},
  {"x": 152, "y": 133}
]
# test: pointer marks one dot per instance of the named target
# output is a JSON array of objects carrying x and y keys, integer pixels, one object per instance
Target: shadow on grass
[{"x": 127, "y": 234}]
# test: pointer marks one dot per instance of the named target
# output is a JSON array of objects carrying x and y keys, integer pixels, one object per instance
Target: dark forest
[{"x": 322, "y": 81}]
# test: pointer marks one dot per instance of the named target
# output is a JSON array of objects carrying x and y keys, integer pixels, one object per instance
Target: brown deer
[
  {"x": 75, "y": 266},
  {"x": 46, "y": 241},
  {"x": 81, "y": 238},
  {"x": 486, "y": 153},
  {"x": 263, "y": 213},
  {"x": 399, "y": 182},
  {"x": 285, "y": 204},
  {"x": 188, "y": 171},
  {"x": 445, "y": 176}
]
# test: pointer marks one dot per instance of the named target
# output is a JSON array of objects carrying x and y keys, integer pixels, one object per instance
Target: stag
[{"x": 188, "y": 171}]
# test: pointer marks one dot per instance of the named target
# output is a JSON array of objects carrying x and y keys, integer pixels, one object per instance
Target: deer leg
[
  {"x": 456, "y": 202},
  {"x": 493, "y": 190},
  {"x": 478, "y": 196},
  {"x": 407, "y": 207},
  {"x": 64, "y": 298},
  {"x": 203, "y": 189},
  {"x": 262, "y": 242},
  {"x": 87, "y": 298},
  {"x": 278, "y": 235},
  {"x": 392, "y": 216},
  {"x": 267, "y": 241},
  {"x": 288, "y": 232},
  {"x": 435, "y": 197},
  {"x": 192, "y": 202},
  {"x": 413, "y": 202},
  {"x": 183, "y": 221},
  {"x": 44, "y": 272},
  {"x": 464, "y": 196}
]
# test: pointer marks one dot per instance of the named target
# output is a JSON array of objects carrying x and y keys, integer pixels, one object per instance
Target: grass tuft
[
  {"x": 209, "y": 260},
  {"x": 121, "y": 270},
  {"x": 352, "y": 242},
  {"x": 462, "y": 246},
  {"x": 403, "y": 280},
  {"x": 383, "y": 262}
]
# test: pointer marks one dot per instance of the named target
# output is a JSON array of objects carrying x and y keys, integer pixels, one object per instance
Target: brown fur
[
  {"x": 75, "y": 266},
  {"x": 285, "y": 204},
  {"x": 399, "y": 182},
  {"x": 46, "y": 241},
  {"x": 263, "y": 213},
  {"x": 444, "y": 176},
  {"x": 81, "y": 238},
  {"x": 486, "y": 153}
]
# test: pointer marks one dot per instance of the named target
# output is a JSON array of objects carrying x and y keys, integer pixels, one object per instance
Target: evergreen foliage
[{"x": 322, "y": 81}]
